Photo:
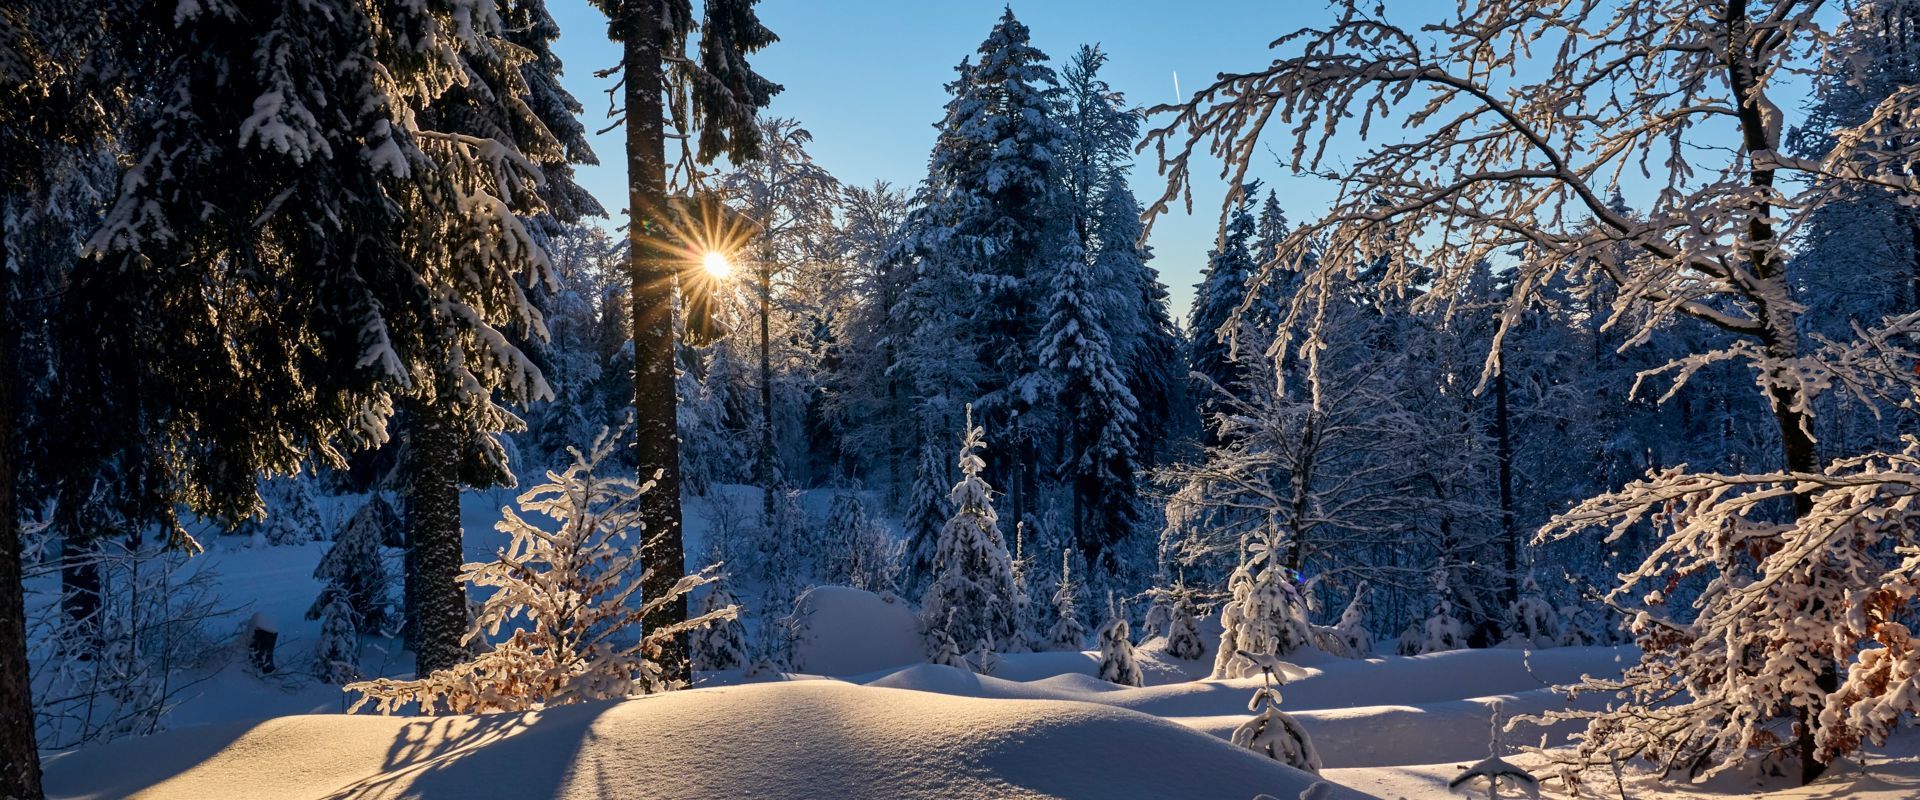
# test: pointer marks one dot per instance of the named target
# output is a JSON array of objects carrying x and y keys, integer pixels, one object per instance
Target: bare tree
[{"x": 1520, "y": 120}]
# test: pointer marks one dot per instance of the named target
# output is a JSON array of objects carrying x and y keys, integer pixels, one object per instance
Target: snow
[
  {"x": 851, "y": 632},
  {"x": 764, "y": 740}
]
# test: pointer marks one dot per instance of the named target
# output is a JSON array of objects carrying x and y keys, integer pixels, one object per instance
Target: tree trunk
[
  {"x": 769, "y": 468},
  {"x": 657, "y": 449},
  {"x": 19, "y": 755},
  {"x": 1509, "y": 530},
  {"x": 433, "y": 534}
]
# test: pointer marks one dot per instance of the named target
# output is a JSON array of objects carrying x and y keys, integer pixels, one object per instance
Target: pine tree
[
  {"x": 971, "y": 597},
  {"x": 1117, "y": 664},
  {"x": 713, "y": 98},
  {"x": 1100, "y": 414},
  {"x": 1222, "y": 289}
]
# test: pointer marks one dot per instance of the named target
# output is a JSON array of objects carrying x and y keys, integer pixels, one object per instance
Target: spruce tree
[
  {"x": 1222, "y": 289},
  {"x": 971, "y": 597},
  {"x": 992, "y": 226},
  {"x": 1117, "y": 663}
]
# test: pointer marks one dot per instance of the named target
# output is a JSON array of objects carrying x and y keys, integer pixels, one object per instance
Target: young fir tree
[
  {"x": 1117, "y": 663},
  {"x": 1532, "y": 621},
  {"x": 1264, "y": 615},
  {"x": 571, "y": 590},
  {"x": 1274, "y": 733},
  {"x": 971, "y": 597},
  {"x": 336, "y": 654},
  {"x": 1067, "y": 632},
  {"x": 1183, "y": 631},
  {"x": 927, "y": 512},
  {"x": 354, "y": 570},
  {"x": 722, "y": 643}
]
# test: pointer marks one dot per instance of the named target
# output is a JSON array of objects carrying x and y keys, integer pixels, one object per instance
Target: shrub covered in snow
[
  {"x": 1532, "y": 621},
  {"x": 572, "y": 591},
  {"x": 1440, "y": 631}
]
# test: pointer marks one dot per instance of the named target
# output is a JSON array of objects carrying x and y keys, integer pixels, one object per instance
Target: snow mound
[
  {"x": 777, "y": 740},
  {"x": 851, "y": 632}
]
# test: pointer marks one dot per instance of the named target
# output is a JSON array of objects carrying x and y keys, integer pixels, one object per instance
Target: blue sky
[{"x": 866, "y": 77}]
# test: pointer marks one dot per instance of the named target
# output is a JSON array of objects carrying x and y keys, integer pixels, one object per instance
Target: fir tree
[
  {"x": 1067, "y": 632},
  {"x": 927, "y": 512},
  {"x": 336, "y": 654},
  {"x": 1183, "y": 632},
  {"x": 971, "y": 597},
  {"x": 721, "y": 644},
  {"x": 355, "y": 572},
  {"x": 1117, "y": 663}
]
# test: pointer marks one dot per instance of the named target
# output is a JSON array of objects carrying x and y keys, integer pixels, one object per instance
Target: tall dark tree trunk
[
  {"x": 769, "y": 467},
  {"x": 19, "y": 755},
  {"x": 433, "y": 534},
  {"x": 1509, "y": 529},
  {"x": 657, "y": 448}
]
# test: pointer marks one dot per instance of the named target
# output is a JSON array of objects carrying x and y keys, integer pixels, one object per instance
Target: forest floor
[{"x": 869, "y": 725}]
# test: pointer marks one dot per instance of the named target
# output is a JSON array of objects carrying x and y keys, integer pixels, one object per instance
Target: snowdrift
[{"x": 801, "y": 739}]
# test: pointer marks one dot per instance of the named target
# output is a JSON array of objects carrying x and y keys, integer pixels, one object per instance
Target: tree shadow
[
  {"x": 136, "y": 764},
  {"x": 496, "y": 755}
]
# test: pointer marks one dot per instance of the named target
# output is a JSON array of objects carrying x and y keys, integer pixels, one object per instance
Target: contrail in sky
[{"x": 1176, "y": 86}]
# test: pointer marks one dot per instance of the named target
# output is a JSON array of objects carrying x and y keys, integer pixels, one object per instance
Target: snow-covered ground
[{"x": 870, "y": 724}]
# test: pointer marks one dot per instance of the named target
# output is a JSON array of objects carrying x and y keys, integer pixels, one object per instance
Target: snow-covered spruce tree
[
  {"x": 1274, "y": 733},
  {"x": 1532, "y": 621},
  {"x": 722, "y": 643},
  {"x": 572, "y": 592},
  {"x": 354, "y": 569},
  {"x": 1440, "y": 631},
  {"x": 1349, "y": 636},
  {"x": 942, "y": 650},
  {"x": 927, "y": 512},
  {"x": 1145, "y": 344},
  {"x": 1067, "y": 632},
  {"x": 859, "y": 550},
  {"x": 993, "y": 222},
  {"x": 1183, "y": 632},
  {"x": 1098, "y": 412},
  {"x": 971, "y": 597},
  {"x": 336, "y": 653},
  {"x": 1264, "y": 614},
  {"x": 1222, "y": 290},
  {"x": 1503, "y": 160},
  {"x": 1117, "y": 663},
  {"x": 1835, "y": 586}
]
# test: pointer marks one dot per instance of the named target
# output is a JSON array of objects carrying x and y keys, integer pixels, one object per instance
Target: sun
[{"x": 716, "y": 264}]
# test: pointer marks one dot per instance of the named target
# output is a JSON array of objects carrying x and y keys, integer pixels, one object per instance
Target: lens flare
[{"x": 716, "y": 264}]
